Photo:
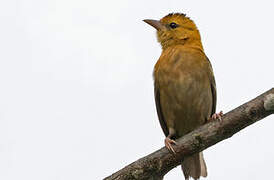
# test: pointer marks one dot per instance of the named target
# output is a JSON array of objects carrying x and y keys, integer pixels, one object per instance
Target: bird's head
[{"x": 176, "y": 28}]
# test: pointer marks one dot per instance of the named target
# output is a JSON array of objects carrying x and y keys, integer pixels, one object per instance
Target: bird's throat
[{"x": 193, "y": 43}]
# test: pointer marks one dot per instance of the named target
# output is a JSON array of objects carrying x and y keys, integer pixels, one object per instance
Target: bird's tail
[{"x": 194, "y": 166}]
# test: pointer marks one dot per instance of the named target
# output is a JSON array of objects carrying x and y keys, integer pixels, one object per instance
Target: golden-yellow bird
[{"x": 184, "y": 85}]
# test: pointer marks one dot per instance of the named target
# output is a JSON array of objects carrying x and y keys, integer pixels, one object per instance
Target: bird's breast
[
  {"x": 185, "y": 95},
  {"x": 177, "y": 64}
]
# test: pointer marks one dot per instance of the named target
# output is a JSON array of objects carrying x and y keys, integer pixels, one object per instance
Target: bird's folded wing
[
  {"x": 213, "y": 88},
  {"x": 159, "y": 110}
]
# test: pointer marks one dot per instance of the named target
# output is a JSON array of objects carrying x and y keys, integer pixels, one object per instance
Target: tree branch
[{"x": 157, "y": 164}]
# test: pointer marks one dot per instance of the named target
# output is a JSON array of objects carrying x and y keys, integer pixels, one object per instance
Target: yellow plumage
[{"x": 184, "y": 85}]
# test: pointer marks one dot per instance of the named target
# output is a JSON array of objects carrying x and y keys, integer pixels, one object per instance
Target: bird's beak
[{"x": 156, "y": 24}]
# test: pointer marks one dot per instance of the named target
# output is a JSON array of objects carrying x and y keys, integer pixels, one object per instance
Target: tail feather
[
  {"x": 203, "y": 165},
  {"x": 194, "y": 166}
]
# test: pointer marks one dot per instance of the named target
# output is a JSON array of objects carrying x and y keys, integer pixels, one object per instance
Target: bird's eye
[{"x": 173, "y": 25}]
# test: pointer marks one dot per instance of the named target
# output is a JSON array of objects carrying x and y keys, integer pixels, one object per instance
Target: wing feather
[
  {"x": 159, "y": 109},
  {"x": 213, "y": 88}
]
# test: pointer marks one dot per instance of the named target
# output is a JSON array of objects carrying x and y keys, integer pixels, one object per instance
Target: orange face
[{"x": 175, "y": 29}]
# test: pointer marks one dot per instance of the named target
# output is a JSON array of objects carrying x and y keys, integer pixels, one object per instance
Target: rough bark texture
[{"x": 156, "y": 165}]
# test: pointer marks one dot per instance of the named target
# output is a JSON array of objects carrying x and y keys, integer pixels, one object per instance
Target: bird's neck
[
  {"x": 196, "y": 43},
  {"x": 192, "y": 43}
]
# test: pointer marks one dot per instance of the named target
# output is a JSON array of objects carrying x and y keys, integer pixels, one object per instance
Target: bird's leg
[
  {"x": 217, "y": 116},
  {"x": 169, "y": 141}
]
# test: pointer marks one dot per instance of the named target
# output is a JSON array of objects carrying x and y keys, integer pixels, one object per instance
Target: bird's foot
[
  {"x": 217, "y": 116},
  {"x": 168, "y": 144}
]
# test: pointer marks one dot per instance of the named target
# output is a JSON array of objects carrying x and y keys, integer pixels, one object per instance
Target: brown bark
[{"x": 155, "y": 165}]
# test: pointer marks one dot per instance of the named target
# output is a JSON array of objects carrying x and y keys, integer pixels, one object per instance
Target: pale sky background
[{"x": 76, "y": 94}]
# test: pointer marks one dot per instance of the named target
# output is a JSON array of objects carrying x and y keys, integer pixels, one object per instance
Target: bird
[{"x": 184, "y": 85}]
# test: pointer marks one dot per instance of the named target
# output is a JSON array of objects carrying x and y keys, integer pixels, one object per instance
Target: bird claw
[
  {"x": 217, "y": 116},
  {"x": 168, "y": 144}
]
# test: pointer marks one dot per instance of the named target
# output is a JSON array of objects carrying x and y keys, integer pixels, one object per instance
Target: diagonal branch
[{"x": 158, "y": 163}]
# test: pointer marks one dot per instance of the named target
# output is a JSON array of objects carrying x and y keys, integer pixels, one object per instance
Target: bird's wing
[
  {"x": 213, "y": 88},
  {"x": 159, "y": 109},
  {"x": 214, "y": 95}
]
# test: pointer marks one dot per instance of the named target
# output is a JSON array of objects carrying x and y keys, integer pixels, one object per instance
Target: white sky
[{"x": 76, "y": 94}]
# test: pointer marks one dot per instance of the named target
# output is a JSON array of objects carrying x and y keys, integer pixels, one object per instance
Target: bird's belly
[{"x": 186, "y": 103}]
